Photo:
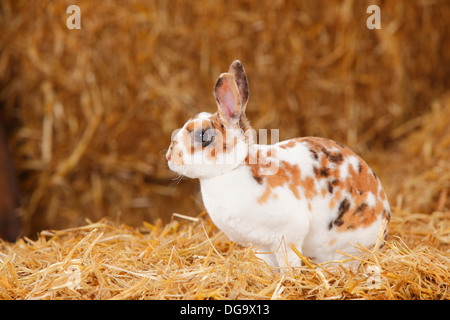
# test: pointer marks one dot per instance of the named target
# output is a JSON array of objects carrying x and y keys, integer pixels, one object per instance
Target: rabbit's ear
[
  {"x": 238, "y": 72},
  {"x": 228, "y": 100}
]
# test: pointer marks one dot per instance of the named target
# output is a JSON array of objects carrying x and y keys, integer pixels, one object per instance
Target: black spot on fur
[
  {"x": 360, "y": 208},
  {"x": 258, "y": 179},
  {"x": 326, "y": 152},
  {"x": 316, "y": 171},
  {"x": 314, "y": 154},
  {"x": 336, "y": 157},
  {"x": 374, "y": 175},
  {"x": 331, "y": 185},
  {"x": 344, "y": 206},
  {"x": 324, "y": 172}
]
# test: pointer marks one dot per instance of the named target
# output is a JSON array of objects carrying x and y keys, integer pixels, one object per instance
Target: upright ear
[
  {"x": 228, "y": 100},
  {"x": 238, "y": 72}
]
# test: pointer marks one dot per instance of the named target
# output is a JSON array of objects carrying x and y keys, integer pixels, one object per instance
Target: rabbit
[{"x": 311, "y": 195}]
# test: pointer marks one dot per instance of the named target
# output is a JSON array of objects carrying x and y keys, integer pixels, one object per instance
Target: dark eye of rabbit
[{"x": 204, "y": 137}]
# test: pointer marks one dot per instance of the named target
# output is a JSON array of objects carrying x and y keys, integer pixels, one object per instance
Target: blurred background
[{"x": 87, "y": 114}]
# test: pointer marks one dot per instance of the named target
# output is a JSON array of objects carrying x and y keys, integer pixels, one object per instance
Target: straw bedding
[
  {"x": 89, "y": 113},
  {"x": 192, "y": 260}
]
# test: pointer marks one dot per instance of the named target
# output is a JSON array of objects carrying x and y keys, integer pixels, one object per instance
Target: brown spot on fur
[
  {"x": 309, "y": 187},
  {"x": 287, "y": 174},
  {"x": 295, "y": 178},
  {"x": 363, "y": 216},
  {"x": 382, "y": 195},
  {"x": 265, "y": 196},
  {"x": 336, "y": 198},
  {"x": 362, "y": 180},
  {"x": 177, "y": 158},
  {"x": 190, "y": 126},
  {"x": 212, "y": 154},
  {"x": 254, "y": 169},
  {"x": 217, "y": 123},
  {"x": 260, "y": 163},
  {"x": 187, "y": 143},
  {"x": 227, "y": 143},
  {"x": 290, "y": 144}
]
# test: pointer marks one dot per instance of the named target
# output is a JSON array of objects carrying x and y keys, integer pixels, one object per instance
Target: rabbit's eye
[{"x": 205, "y": 137}]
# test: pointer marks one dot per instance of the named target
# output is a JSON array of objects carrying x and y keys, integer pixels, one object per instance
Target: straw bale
[
  {"x": 420, "y": 177},
  {"x": 89, "y": 112}
]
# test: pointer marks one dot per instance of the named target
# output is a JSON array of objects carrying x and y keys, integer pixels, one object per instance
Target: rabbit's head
[{"x": 212, "y": 144}]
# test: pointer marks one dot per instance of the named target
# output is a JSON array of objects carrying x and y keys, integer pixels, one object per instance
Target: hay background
[{"x": 89, "y": 114}]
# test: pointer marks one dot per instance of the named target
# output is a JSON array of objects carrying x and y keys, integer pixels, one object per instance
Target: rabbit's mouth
[{"x": 176, "y": 168}]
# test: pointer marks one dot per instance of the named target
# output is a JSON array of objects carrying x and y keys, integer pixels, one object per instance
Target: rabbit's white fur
[{"x": 311, "y": 193}]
